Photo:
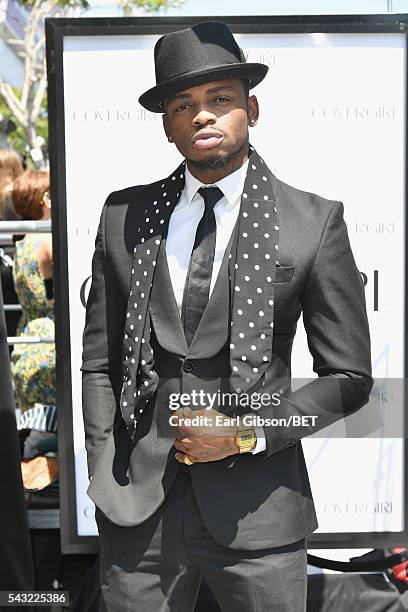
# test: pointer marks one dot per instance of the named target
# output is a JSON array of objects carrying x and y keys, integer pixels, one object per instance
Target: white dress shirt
[{"x": 182, "y": 230}]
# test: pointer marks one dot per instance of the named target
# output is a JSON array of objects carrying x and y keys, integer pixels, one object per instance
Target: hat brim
[{"x": 152, "y": 99}]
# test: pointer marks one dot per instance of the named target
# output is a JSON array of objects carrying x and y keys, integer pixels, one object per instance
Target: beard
[{"x": 215, "y": 163}]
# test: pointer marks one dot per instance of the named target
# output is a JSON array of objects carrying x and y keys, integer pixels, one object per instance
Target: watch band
[{"x": 245, "y": 439}]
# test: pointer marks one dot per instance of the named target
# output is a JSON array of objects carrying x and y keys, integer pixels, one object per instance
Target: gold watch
[{"x": 245, "y": 439}]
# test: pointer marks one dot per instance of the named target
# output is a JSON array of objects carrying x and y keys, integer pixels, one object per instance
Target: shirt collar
[{"x": 231, "y": 185}]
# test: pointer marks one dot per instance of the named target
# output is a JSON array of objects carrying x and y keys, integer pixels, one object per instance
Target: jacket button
[{"x": 188, "y": 365}]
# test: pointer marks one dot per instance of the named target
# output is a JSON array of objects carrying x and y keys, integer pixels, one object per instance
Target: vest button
[{"x": 188, "y": 365}]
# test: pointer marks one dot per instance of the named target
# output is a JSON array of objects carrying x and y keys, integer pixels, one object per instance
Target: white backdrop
[{"x": 332, "y": 122}]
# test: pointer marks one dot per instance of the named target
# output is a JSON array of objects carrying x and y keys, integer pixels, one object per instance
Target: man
[{"x": 198, "y": 283}]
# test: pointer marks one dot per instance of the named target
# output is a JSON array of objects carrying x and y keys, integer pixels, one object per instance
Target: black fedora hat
[{"x": 200, "y": 54}]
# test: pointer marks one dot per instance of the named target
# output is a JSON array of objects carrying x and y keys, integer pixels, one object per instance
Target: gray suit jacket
[{"x": 247, "y": 501}]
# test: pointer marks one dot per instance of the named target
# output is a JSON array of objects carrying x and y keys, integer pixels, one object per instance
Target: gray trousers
[{"x": 157, "y": 566}]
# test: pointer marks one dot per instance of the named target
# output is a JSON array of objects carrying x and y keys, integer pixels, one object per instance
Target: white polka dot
[
  {"x": 245, "y": 256},
  {"x": 148, "y": 251},
  {"x": 249, "y": 301},
  {"x": 132, "y": 326},
  {"x": 125, "y": 403},
  {"x": 267, "y": 256},
  {"x": 232, "y": 346},
  {"x": 241, "y": 335},
  {"x": 247, "y": 380},
  {"x": 164, "y": 194},
  {"x": 255, "y": 224},
  {"x": 245, "y": 235},
  {"x": 256, "y": 266},
  {"x": 173, "y": 178},
  {"x": 253, "y": 167},
  {"x": 137, "y": 283},
  {"x": 254, "y": 186},
  {"x": 256, "y": 204},
  {"x": 239, "y": 311},
  {"x": 235, "y": 368},
  {"x": 270, "y": 302},
  {"x": 243, "y": 358},
  {"x": 266, "y": 235},
  {"x": 261, "y": 313},
  {"x": 139, "y": 261},
  {"x": 269, "y": 279},
  {"x": 237, "y": 288},
  {"x": 128, "y": 314},
  {"x": 145, "y": 273},
  {"x": 256, "y": 245},
  {"x": 264, "y": 178},
  {"x": 244, "y": 195},
  {"x": 244, "y": 214},
  {"x": 275, "y": 209},
  {"x": 263, "y": 336},
  {"x": 157, "y": 241},
  {"x": 135, "y": 305},
  {"x": 255, "y": 370},
  {"x": 251, "y": 324},
  {"x": 264, "y": 358},
  {"x": 253, "y": 347},
  {"x": 259, "y": 290},
  {"x": 276, "y": 227},
  {"x": 247, "y": 278},
  {"x": 236, "y": 266}
]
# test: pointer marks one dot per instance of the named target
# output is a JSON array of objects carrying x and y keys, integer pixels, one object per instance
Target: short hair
[
  {"x": 28, "y": 192},
  {"x": 10, "y": 168}
]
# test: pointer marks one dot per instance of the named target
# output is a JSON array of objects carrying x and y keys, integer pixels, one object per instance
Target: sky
[{"x": 265, "y": 7}]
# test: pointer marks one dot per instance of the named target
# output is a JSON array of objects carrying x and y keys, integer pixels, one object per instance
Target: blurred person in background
[
  {"x": 33, "y": 365},
  {"x": 10, "y": 168}
]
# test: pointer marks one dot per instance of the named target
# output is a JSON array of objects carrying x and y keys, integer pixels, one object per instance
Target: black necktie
[{"x": 197, "y": 286}]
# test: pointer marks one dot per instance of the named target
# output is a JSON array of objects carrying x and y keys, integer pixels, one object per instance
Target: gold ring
[{"x": 187, "y": 460}]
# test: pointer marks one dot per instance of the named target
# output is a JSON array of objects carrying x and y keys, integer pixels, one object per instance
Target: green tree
[{"x": 26, "y": 107}]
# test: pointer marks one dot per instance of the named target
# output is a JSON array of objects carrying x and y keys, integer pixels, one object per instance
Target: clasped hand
[{"x": 203, "y": 443}]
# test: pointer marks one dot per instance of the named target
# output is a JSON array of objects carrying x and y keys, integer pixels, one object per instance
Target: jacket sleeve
[
  {"x": 101, "y": 356},
  {"x": 335, "y": 320}
]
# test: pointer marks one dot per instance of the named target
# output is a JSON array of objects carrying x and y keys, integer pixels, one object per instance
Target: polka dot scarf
[{"x": 252, "y": 305}]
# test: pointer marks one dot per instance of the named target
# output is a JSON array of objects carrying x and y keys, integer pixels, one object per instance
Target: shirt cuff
[{"x": 260, "y": 441}]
